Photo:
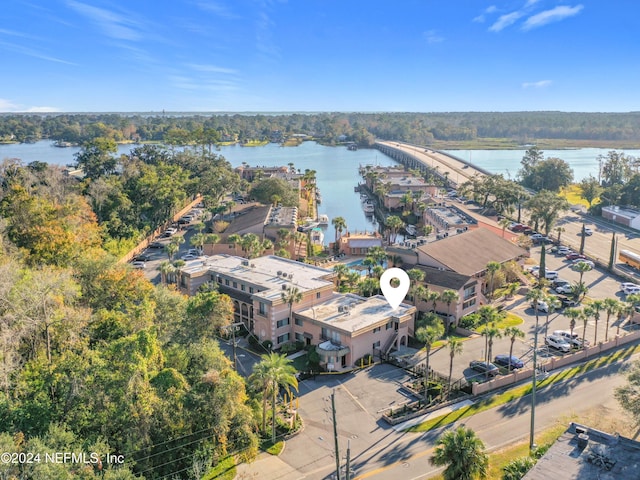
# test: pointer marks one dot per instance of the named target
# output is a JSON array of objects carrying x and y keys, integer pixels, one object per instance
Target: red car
[
  {"x": 575, "y": 256},
  {"x": 519, "y": 228}
]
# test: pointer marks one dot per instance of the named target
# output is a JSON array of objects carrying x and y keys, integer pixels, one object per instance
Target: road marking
[{"x": 355, "y": 400}]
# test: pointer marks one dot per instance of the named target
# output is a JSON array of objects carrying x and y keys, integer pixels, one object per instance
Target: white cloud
[
  {"x": 505, "y": 20},
  {"x": 114, "y": 25},
  {"x": 539, "y": 84},
  {"x": 9, "y": 106},
  {"x": 433, "y": 37},
  {"x": 548, "y": 16},
  {"x": 217, "y": 9},
  {"x": 32, "y": 53},
  {"x": 481, "y": 18},
  {"x": 212, "y": 69}
]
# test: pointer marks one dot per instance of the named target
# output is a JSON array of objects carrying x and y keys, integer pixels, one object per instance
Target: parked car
[
  {"x": 567, "y": 302},
  {"x": 564, "y": 289},
  {"x": 572, "y": 339},
  {"x": 156, "y": 245},
  {"x": 143, "y": 257},
  {"x": 518, "y": 228},
  {"x": 557, "y": 342},
  {"x": 563, "y": 251},
  {"x": 138, "y": 264},
  {"x": 503, "y": 361},
  {"x": 628, "y": 285},
  {"x": 188, "y": 256},
  {"x": 533, "y": 269},
  {"x": 588, "y": 231},
  {"x": 484, "y": 367},
  {"x": 184, "y": 220},
  {"x": 170, "y": 231},
  {"x": 559, "y": 281},
  {"x": 631, "y": 290},
  {"x": 536, "y": 237},
  {"x": 542, "y": 306},
  {"x": 551, "y": 274},
  {"x": 575, "y": 256}
]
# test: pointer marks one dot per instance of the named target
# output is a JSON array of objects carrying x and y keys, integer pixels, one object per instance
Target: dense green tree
[
  {"x": 590, "y": 189},
  {"x": 96, "y": 157},
  {"x": 545, "y": 207},
  {"x": 264, "y": 190}
]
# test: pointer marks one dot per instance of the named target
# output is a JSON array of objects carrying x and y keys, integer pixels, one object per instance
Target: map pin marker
[{"x": 394, "y": 295}]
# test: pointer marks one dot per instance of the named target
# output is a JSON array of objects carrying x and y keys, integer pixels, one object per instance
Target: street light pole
[
  {"x": 233, "y": 327},
  {"x": 532, "y": 444}
]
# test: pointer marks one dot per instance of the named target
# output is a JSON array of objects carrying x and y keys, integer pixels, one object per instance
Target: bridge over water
[{"x": 444, "y": 165}]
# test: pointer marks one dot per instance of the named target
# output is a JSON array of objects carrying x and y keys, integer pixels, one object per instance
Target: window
[
  {"x": 283, "y": 338},
  {"x": 469, "y": 303},
  {"x": 242, "y": 287},
  {"x": 377, "y": 329},
  {"x": 469, "y": 292},
  {"x": 376, "y": 345},
  {"x": 282, "y": 323},
  {"x": 250, "y": 289},
  {"x": 317, "y": 294},
  {"x": 330, "y": 335},
  {"x": 389, "y": 325},
  {"x": 226, "y": 282},
  {"x": 219, "y": 279},
  {"x": 298, "y": 322},
  {"x": 299, "y": 337},
  {"x": 262, "y": 308},
  {"x": 235, "y": 284}
]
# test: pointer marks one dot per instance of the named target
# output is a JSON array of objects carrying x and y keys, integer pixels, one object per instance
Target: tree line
[{"x": 330, "y": 128}]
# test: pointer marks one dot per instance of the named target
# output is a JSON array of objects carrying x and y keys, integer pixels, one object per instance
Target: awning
[{"x": 328, "y": 349}]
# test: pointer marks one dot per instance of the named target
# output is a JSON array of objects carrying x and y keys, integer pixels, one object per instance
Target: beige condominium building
[
  {"x": 256, "y": 287},
  {"x": 347, "y": 327}
]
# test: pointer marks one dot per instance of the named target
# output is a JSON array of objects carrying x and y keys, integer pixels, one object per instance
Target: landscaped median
[{"x": 523, "y": 390}]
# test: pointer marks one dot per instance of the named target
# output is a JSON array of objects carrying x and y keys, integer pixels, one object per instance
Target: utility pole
[
  {"x": 532, "y": 444},
  {"x": 335, "y": 434},
  {"x": 348, "y": 473},
  {"x": 233, "y": 327}
]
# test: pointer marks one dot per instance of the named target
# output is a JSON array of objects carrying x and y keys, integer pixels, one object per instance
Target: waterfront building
[
  {"x": 627, "y": 216},
  {"x": 256, "y": 287},
  {"x": 346, "y": 327},
  {"x": 359, "y": 243}
]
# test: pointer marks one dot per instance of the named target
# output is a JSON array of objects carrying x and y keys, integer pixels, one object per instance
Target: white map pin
[{"x": 394, "y": 295}]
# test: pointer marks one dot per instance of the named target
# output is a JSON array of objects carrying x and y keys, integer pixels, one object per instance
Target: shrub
[
  {"x": 288, "y": 348},
  {"x": 267, "y": 344},
  {"x": 253, "y": 341},
  {"x": 469, "y": 322}
]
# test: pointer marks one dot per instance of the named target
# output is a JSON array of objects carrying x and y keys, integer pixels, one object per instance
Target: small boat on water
[
  {"x": 368, "y": 207},
  {"x": 308, "y": 225},
  {"x": 411, "y": 230},
  {"x": 323, "y": 219},
  {"x": 62, "y": 144}
]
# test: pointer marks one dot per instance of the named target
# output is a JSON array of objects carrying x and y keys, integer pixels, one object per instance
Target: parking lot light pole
[{"x": 233, "y": 327}]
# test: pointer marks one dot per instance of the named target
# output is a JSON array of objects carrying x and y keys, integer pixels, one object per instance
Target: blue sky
[{"x": 319, "y": 55}]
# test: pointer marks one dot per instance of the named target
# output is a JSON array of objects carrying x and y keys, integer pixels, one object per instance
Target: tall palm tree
[
  {"x": 171, "y": 249},
  {"x": 492, "y": 268},
  {"x": 611, "y": 306},
  {"x": 491, "y": 332},
  {"x": 513, "y": 333},
  {"x": 259, "y": 380},
  {"x": 278, "y": 372},
  {"x": 573, "y": 314},
  {"x": 377, "y": 254},
  {"x": 415, "y": 277},
  {"x": 536, "y": 295},
  {"x": 290, "y": 296},
  {"x": 448, "y": 297},
  {"x": 394, "y": 223},
  {"x": 504, "y": 223},
  {"x": 462, "y": 452},
  {"x": 552, "y": 304},
  {"x": 582, "y": 267},
  {"x": 341, "y": 270},
  {"x": 428, "y": 335},
  {"x": 455, "y": 348},
  {"x": 596, "y": 306},
  {"x": 369, "y": 263},
  {"x": 340, "y": 224},
  {"x": 234, "y": 240},
  {"x": 585, "y": 315},
  {"x": 166, "y": 269},
  {"x": 488, "y": 314},
  {"x": 433, "y": 297}
]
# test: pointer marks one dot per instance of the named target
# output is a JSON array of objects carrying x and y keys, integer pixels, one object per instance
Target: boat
[
  {"x": 316, "y": 236},
  {"x": 323, "y": 219},
  {"x": 308, "y": 225},
  {"x": 368, "y": 207},
  {"x": 411, "y": 230},
  {"x": 62, "y": 144}
]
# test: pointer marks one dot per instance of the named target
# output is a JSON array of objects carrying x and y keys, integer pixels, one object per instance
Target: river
[{"x": 336, "y": 167}]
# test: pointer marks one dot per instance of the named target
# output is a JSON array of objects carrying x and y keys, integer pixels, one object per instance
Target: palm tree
[
  {"x": 433, "y": 297},
  {"x": 290, "y": 296},
  {"x": 448, "y": 297},
  {"x": 582, "y": 267},
  {"x": 573, "y": 314},
  {"x": 415, "y": 277},
  {"x": 277, "y": 372},
  {"x": 259, "y": 379},
  {"x": 512, "y": 333},
  {"x": 504, "y": 223},
  {"x": 462, "y": 452},
  {"x": 596, "y": 306},
  {"x": 455, "y": 348},
  {"x": 491, "y": 332},
  {"x": 611, "y": 306},
  {"x": 535, "y": 296},
  {"x": 395, "y": 223},
  {"x": 585, "y": 315},
  {"x": 234, "y": 240},
  {"x": 340, "y": 224},
  {"x": 552, "y": 304},
  {"x": 166, "y": 269},
  {"x": 377, "y": 254},
  {"x": 492, "y": 268},
  {"x": 428, "y": 335},
  {"x": 488, "y": 314},
  {"x": 369, "y": 263},
  {"x": 171, "y": 249},
  {"x": 341, "y": 270}
]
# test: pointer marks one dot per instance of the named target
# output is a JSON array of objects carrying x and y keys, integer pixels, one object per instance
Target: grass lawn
[
  {"x": 225, "y": 470},
  {"x": 522, "y": 390},
  {"x": 511, "y": 320},
  {"x": 443, "y": 342},
  {"x": 273, "y": 449},
  {"x": 572, "y": 194}
]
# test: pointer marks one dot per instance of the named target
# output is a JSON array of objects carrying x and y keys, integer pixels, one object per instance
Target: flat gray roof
[{"x": 362, "y": 312}]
